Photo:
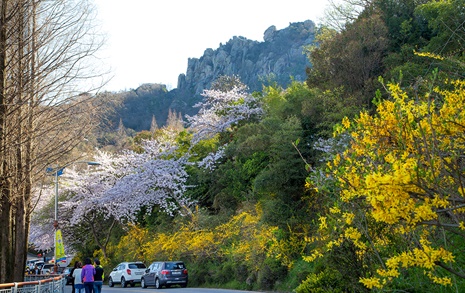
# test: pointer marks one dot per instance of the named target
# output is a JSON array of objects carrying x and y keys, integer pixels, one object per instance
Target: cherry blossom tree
[
  {"x": 221, "y": 109},
  {"x": 125, "y": 183},
  {"x": 119, "y": 187}
]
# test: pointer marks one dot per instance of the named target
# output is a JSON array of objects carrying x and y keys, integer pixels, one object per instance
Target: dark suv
[{"x": 165, "y": 273}]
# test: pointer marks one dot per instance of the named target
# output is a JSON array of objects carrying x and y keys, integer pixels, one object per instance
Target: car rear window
[
  {"x": 174, "y": 265},
  {"x": 136, "y": 266}
]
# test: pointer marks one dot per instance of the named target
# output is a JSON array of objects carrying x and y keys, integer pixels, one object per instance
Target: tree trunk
[{"x": 6, "y": 256}]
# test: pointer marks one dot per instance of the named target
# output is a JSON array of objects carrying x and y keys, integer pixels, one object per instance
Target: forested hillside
[{"x": 349, "y": 181}]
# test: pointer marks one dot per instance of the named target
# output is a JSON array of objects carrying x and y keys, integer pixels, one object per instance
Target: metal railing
[{"x": 36, "y": 284}]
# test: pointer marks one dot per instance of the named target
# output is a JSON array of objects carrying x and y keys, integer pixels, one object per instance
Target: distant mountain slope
[{"x": 277, "y": 58}]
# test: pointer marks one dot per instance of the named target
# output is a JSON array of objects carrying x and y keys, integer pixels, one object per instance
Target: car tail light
[
  {"x": 164, "y": 272},
  {"x": 128, "y": 271},
  {"x": 184, "y": 271}
]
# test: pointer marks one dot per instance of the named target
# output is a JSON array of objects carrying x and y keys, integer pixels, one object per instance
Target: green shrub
[
  {"x": 271, "y": 273},
  {"x": 241, "y": 272},
  {"x": 296, "y": 275},
  {"x": 327, "y": 281},
  {"x": 198, "y": 273},
  {"x": 223, "y": 273}
]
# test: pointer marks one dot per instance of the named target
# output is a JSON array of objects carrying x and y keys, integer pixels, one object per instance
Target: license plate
[{"x": 139, "y": 273}]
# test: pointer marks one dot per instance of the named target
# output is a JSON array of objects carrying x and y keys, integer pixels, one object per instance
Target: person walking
[
  {"x": 77, "y": 283},
  {"x": 98, "y": 277},
  {"x": 71, "y": 274},
  {"x": 87, "y": 275}
]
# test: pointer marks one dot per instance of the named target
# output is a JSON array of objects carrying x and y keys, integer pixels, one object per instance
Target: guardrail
[{"x": 36, "y": 284}]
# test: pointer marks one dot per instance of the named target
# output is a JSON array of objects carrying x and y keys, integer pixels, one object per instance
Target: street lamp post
[{"x": 57, "y": 171}]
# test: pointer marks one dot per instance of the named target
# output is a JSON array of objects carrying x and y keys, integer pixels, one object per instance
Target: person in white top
[{"x": 78, "y": 285}]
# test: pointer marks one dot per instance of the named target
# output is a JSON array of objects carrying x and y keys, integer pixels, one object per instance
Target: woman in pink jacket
[{"x": 87, "y": 275}]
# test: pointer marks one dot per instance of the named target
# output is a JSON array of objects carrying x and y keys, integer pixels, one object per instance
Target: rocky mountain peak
[{"x": 277, "y": 58}]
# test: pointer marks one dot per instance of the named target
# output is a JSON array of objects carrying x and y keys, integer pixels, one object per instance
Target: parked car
[
  {"x": 47, "y": 268},
  {"x": 127, "y": 272},
  {"x": 165, "y": 273}
]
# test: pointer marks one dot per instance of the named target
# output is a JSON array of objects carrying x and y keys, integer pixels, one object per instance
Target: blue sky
[{"x": 150, "y": 41}]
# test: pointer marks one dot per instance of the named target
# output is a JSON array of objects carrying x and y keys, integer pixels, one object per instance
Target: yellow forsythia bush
[
  {"x": 242, "y": 238},
  {"x": 400, "y": 187}
]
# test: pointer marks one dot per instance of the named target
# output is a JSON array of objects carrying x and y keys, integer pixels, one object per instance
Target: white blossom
[
  {"x": 125, "y": 183},
  {"x": 209, "y": 162},
  {"x": 220, "y": 110}
]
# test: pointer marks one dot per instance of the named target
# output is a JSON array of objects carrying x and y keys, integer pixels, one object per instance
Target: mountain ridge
[
  {"x": 250, "y": 60},
  {"x": 279, "y": 58}
]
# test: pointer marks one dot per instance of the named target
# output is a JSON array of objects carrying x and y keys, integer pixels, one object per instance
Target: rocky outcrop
[{"x": 278, "y": 58}]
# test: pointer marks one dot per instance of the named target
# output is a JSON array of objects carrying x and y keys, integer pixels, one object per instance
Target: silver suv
[{"x": 127, "y": 272}]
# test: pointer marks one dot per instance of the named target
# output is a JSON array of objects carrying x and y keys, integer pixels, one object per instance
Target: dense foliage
[{"x": 256, "y": 192}]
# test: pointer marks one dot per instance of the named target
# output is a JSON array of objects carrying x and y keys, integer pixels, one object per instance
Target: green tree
[
  {"x": 403, "y": 24},
  {"x": 351, "y": 59},
  {"x": 445, "y": 21}
]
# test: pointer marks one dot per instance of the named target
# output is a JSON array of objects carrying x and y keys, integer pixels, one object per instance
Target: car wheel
[
  {"x": 184, "y": 285},
  {"x": 110, "y": 282},
  {"x": 142, "y": 283},
  {"x": 157, "y": 284},
  {"x": 123, "y": 282}
]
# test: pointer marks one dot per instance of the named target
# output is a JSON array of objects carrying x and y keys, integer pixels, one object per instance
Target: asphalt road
[{"x": 138, "y": 289}]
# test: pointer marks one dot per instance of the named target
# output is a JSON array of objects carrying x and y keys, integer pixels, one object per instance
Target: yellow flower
[
  {"x": 461, "y": 226},
  {"x": 346, "y": 122},
  {"x": 323, "y": 224},
  {"x": 371, "y": 283},
  {"x": 428, "y": 54},
  {"x": 334, "y": 210},
  {"x": 349, "y": 217}
]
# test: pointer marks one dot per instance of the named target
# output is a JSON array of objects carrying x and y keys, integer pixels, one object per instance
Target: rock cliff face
[{"x": 277, "y": 58}]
